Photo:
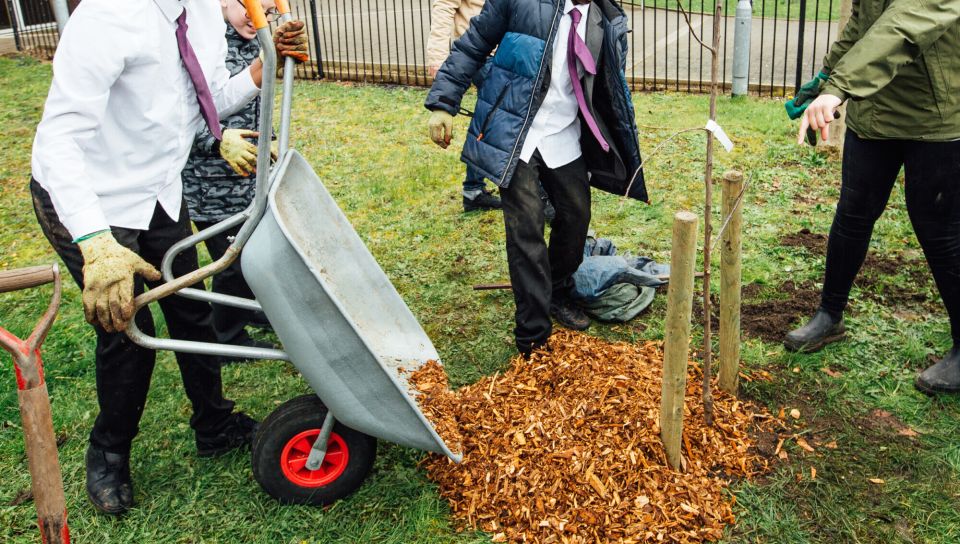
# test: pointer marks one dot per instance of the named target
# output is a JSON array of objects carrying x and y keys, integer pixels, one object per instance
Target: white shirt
[
  {"x": 122, "y": 112},
  {"x": 555, "y": 130}
]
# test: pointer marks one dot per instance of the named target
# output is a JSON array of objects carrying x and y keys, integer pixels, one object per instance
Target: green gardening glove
[
  {"x": 239, "y": 153},
  {"x": 108, "y": 272},
  {"x": 441, "y": 128},
  {"x": 807, "y": 93}
]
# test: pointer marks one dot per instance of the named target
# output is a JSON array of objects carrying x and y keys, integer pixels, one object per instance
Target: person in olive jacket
[
  {"x": 554, "y": 110},
  {"x": 898, "y": 64}
]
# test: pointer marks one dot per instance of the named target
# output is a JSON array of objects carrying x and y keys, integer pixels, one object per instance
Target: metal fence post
[
  {"x": 13, "y": 26},
  {"x": 316, "y": 38},
  {"x": 741, "y": 48},
  {"x": 60, "y": 12},
  {"x": 802, "y": 21}
]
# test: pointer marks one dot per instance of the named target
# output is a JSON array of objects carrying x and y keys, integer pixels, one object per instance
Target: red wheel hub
[{"x": 293, "y": 459}]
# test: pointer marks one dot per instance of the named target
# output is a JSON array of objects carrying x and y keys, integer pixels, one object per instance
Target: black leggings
[{"x": 932, "y": 187}]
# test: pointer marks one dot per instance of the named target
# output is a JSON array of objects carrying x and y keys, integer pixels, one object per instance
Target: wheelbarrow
[
  {"x": 45, "y": 479},
  {"x": 341, "y": 322}
]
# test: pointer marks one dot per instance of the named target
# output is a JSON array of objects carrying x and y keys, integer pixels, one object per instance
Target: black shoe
[
  {"x": 260, "y": 321},
  {"x": 247, "y": 343},
  {"x": 570, "y": 316},
  {"x": 942, "y": 377},
  {"x": 237, "y": 432},
  {"x": 108, "y": 481},
  {"x": 484, "y": 201},
  {"x": 817, "y": 333}
]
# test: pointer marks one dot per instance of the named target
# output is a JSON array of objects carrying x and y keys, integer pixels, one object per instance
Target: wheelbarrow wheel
[{"x": 283, "y": 443}]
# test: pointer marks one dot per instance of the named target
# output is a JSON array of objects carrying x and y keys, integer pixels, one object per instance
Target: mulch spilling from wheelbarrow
[
  {"x": 434, "y": 397},
  {"x": 565, "y": 448}
]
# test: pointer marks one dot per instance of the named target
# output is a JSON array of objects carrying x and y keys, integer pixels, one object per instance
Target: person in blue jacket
[{"x": 554, "y": 110}]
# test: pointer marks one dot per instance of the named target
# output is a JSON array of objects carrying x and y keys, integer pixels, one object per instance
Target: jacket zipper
[
  {"x": 496, "y": 106},
  {"x": 536, "y": 85}
]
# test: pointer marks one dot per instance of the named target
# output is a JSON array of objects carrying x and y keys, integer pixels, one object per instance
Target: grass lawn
[
  {"x": 815, "y": 10},
  {"x": 862, "y": 416}
]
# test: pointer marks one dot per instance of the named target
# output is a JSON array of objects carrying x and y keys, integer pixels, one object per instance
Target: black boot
[
  {"x": 817, "y": 333},
  {"x": 237, "y": 432},
  {"x": 569, "y": 315},
  {"x": 484, "y": 201},
  {"x": 943, "y": 376},
  {"x": 108, "y": 481}
]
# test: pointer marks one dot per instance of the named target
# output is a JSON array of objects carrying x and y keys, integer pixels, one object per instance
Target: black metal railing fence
[
  {"x": 384, "y": 41},
  {"x": 33, "y": 27}
]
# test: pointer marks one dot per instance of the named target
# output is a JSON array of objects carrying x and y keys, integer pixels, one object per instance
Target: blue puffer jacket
[{"x": 523, "y": 32}]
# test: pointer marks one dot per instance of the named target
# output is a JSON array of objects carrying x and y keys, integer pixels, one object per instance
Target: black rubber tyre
[{"x": 278, "y": 455}]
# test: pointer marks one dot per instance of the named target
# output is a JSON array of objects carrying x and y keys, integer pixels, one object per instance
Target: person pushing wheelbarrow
[{"x": 133, "y": 82}]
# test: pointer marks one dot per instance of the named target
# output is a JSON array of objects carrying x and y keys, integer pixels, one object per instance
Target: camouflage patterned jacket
[{"x": 211, "y": 188}]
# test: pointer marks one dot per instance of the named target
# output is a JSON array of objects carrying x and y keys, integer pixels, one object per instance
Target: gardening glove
[
  {"x": 108, "y": 272},
  {"x": 290, "y": 39},
  {"x": 441, "y": 128},
  {"x": 807, "y": 93},
  {"x": 239, "y": 153}
]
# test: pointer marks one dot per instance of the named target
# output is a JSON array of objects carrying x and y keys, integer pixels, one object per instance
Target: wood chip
[
  {"x": 795, "y": 414},
  {"x": 804, "y": 445},
  {"x": 878, "y": 481},
  {"x": 565, "y": 448}
]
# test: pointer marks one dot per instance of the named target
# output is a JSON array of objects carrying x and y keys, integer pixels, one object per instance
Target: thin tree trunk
[{"x": 707, "y": 227}]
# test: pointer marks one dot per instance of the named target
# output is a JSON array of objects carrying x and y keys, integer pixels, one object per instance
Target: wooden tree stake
[
  {"x": 730, "y": 250},
  {"x": 677, "y": 334}
]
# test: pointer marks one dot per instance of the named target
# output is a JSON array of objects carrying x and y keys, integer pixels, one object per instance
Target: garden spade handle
[{"x": 41, "y": 446}]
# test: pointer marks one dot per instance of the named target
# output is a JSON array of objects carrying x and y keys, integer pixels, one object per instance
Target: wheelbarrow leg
[
  {"x": 41, "y": 446},
  {"x": 319, "y": 450}
]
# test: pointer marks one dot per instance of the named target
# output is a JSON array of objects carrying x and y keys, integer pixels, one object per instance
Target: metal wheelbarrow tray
[{"x": 340, "y": 319}]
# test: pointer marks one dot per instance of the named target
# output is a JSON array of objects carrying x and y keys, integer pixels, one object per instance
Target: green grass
[{"x": 369, "y": 146}]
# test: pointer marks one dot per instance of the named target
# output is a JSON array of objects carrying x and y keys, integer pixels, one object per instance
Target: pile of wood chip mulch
[{"x": 565, "y": 448}]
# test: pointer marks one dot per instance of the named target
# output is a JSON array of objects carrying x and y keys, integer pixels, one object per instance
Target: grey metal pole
[
  {"x": 61, "y": 13},
  {"x": 741, "y": 48}
]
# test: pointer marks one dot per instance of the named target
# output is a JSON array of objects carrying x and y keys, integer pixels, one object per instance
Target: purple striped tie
[
  {"x": 207, "y": 109},
  {"x": 577, "y": 49}
]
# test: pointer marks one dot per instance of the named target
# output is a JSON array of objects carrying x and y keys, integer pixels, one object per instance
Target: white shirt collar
[
  {"x": 569, "y": 5},
  {"x": 173, "y": 8}
]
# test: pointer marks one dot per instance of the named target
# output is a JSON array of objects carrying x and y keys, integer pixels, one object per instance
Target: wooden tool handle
[{"x": 25, "y": 278}]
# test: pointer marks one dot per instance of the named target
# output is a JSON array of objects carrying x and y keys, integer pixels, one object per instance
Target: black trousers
[
  {"x": 123, "y": 369},
  {"x": 228, "y": 323},
  {"x": 932, "y": 188},
  {"x": 541, "y": 275}
]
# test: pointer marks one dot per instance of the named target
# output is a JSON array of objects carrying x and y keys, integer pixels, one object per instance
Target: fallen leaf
[
  {"x": 804, "y": 445},
  {"x": 878, "y": 481},
  {"x": 831, "y": 373},
  {"x": 813, "y": 473},
  {"x": 832, "y": 445},
  {"x": 908, "y": 432},
  {"x": 795, "y": 414}
]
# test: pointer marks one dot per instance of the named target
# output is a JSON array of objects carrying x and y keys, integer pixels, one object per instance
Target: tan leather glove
[
  {"x": 108, "y": 272},
  {"x": 239, "y": 153},
  {"x": 290, "y": 39},
  {"x": 441, "y": 128}
]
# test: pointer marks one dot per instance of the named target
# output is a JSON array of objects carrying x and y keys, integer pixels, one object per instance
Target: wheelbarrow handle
[{"x": 26, "y": 278}]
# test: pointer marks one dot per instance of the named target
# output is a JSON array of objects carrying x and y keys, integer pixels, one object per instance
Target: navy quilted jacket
[{"x": 523, "y": 32}]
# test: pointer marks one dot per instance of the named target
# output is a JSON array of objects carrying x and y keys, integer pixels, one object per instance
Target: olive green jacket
[{"x": 898, "y": 61}]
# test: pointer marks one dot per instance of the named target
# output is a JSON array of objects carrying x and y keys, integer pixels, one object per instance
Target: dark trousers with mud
[
  {"x": 541, "y": 275},
  {"x": 124, "y": 369},
  {"x": 932, "y": 189}
]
